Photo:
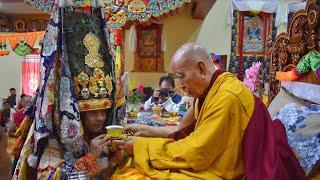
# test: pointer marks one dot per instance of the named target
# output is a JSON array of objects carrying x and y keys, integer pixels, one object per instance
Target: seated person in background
[
  {"x": 6, "y": 118},
  {"x": 165, "y": 96},
  {"x": 19, "y": 115},
  {"x": 20, "y": 104},
  {"x": 5, "y": 161},
  {"x": 13, "y": 99}
]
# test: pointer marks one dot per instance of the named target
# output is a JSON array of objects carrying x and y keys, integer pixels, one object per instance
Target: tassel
[
  {"x": 288, "y": 76},
  {"x": 32, "y": 161},
  {"x": 133, "y": 39}
]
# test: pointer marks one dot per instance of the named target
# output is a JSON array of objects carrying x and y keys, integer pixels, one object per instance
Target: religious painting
[
  {"x": 149, "y": 38},
  {"x": 149, "y": 55},
  {"x": 253, "y": 31},
  {"x": 252, "y": 37}
]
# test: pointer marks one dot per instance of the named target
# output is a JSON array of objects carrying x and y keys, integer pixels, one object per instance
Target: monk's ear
[{"x": 201, "y": 67}]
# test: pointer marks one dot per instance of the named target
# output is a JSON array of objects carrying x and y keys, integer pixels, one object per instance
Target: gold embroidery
[
  {"x": 108, "y": 81},
  {"x": 118, "y": 64},
  {"x": 99, "y": 76},
  {"x": 82, "y": 80},
  {"x": 76, "y": 85},
  {"x": 93, "y": 59},
  {"x": 119, "y": 18},
  {"x": 136, "y": 7},
  {"x": 93, "y": 87},
  {"x": 94, "y": 104}
]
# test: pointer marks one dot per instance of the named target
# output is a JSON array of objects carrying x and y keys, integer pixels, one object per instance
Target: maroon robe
[{"x": 267, "y": 154}]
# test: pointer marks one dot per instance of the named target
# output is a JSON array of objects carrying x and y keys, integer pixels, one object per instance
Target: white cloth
[
  {"x": 267, "y": 6},
  {"x": 306, "y": 91},
  {"x": 133, "y": 39},
  {"x": 164, "y": 39},
  {"x": 292, "y": 7}
]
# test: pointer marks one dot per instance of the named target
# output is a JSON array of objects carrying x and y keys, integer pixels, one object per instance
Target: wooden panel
[
  {"x": 24, "y": 22},
  {"x": 201, "y": 8},
  {"x": 289, "y": 48},
  {"x": 309, "y": 78}
]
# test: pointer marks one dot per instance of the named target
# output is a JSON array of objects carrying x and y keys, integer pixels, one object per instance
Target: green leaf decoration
[{"x": 22, "y": 49}]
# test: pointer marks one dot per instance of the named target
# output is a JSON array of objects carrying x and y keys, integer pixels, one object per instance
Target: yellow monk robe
[{"x": 213, "y": 150}]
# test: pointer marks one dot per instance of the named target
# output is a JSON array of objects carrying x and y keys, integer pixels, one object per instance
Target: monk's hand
[
  {"x": 137, "y": 130},
  {"x": 97, "y": 144},
  {"x": 126, "y": 145}
]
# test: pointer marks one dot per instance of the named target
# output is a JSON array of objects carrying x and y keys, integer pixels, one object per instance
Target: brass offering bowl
[
  {"x": 115, "y": 131},
  {"x": 157, "y": 110}
]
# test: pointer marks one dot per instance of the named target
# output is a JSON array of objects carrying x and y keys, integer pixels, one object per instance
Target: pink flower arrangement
[
  {"x": 140, "y": 88},
  {"x": 251, "y": 79}
]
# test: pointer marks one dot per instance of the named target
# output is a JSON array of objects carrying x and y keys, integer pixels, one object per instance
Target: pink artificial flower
[
  {"x": 251, "y": 79},
  {"x": 140, "y": 88}
]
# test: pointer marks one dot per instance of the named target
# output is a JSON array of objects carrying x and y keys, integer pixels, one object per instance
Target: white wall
[
  {"x": 10, "y": 74},
  {"x": 214, "y": 33}
]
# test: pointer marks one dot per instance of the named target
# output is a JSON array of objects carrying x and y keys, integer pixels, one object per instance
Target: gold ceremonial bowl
[
  {"x": 157, "y": 110},
  {"x": 114, "y": 131}
]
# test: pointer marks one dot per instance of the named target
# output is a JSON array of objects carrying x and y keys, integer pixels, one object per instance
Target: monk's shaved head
[
  {"x": 193, "y": 67},
  {"x": 190, "y": 53}
]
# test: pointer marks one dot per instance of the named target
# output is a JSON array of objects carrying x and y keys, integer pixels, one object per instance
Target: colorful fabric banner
[{"x": 20, "y": 43}]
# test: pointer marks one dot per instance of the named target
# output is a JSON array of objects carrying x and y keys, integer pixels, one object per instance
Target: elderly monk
[{"x": 210, "y": 142}]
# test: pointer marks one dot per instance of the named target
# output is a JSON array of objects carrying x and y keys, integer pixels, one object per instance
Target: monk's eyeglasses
[{"x": 179, "y": 75}]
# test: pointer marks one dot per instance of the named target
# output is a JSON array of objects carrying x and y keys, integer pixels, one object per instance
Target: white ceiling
[{"x": 14, "y": 7}]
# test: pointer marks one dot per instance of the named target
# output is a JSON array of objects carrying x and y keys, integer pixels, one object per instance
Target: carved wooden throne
[{"x": 303, "y": 36}]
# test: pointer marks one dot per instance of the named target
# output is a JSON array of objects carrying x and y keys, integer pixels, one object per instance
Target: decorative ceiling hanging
[
  {"x": 20, "y": 43},
  {"x": 119, "y": 12},
  {"x": 4, "y": 50},
  {"x": 43, "y": 5},
  {"x": 22, "y": 49}
]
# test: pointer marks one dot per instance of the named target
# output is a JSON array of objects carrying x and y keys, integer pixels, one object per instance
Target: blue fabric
[
  {"x": 217, "y": 57},
  {"x": 182, "y": 113},
  {"x": 176, "y": 98},
  {"x": 303, "y": 131}
]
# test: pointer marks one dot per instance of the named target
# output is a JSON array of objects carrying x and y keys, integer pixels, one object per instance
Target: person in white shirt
[{"x": 165, "y": 96}]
